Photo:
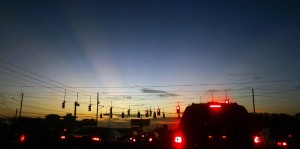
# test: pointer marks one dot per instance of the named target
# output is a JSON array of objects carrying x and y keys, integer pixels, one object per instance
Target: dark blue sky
[{"x": 205, "y": 46}]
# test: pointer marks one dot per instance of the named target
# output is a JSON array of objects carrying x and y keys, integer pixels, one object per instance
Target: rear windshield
[{"x": 225, "y": 118}]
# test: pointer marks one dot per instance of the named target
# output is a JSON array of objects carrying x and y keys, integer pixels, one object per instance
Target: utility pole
[
  {"x": 16, "y": 113},
  {"x": 20, "y": 112},
  {"x": 253, "y": 101},
  {"x": 75, "y": 106},
  {"x": 97, "y": 109}
]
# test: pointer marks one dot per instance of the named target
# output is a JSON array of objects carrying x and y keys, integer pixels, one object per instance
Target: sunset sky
[{"x": 148, "y": 53}]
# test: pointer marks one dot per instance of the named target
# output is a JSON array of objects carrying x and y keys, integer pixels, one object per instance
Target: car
[
  {"x": 213, "y": 125},
  {"x": 93, "y": 137},
  {"x": 149, "y": 139},
  {"x": 277, "y": 138}
]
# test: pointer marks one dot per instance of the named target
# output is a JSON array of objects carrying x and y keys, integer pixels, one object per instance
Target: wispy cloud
[
  {"x": 138, "y": 105},
  {"x": 255, "y": 76},
  {"x": 159, "y": 92},
  {"x": 148, "y": 90}
]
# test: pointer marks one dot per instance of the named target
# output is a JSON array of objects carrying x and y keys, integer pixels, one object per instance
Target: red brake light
[
  {"x": 284, "y": 144},
  {"x": 134, "y": 140},
  {"x": 178, "y": 139},
  {"x": 256, "y": 139},
  {"x": 224, "y": 137},
  {"x": 281, "y": 143},
  {"x": 22, "y": 138},
  {"x": 96, "y": 139},
  {"x": 150, "y": 139},
  {"x": 215, "y": 106},
  {"x": 62, "y": 137}
]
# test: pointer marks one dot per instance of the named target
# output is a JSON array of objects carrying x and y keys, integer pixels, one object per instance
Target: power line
[
  {"x": 38, "y": 76},
  {"x": 175, "y": 85}
]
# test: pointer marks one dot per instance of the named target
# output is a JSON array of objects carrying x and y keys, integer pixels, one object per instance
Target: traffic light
[
  {"x": 110, "y": 113},
  {"x": 138, "y": 115},
  {"x": 154, "y": 114},
  {"x": 164, "y": 115},
  {"x": 147, "y": 114},
  {"x": 101, "y": 115},
  {"x": 122, "y": 114},
  {"x": 90, "y": 107},
  {"x": 128, "y": 112},
  {"x": 178, "y": 109},
  {"x": 63, "y": 104},
  {"x": 158, "y": 112},
  {"x": 77, "y": 104}
]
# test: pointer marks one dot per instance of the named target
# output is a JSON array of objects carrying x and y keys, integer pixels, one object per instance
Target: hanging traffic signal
[
  {"x": 164, "y": 115},
  {"x": 138, "y": 115},
  {"x": 101, "y": 115},
  {"x": 147, "y": 114},
  {"x": 63, "y": 104},
  {"x": 178, "y": 109},
  {"x": 154, "y": 114},
  {"x": 90, "y": 107},
  {"x": 158, "y": 112},
  {"x": 122, "y": 114}
]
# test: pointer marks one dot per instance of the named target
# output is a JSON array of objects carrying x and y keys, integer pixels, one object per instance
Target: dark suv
[{"x": 213, "y": 125}]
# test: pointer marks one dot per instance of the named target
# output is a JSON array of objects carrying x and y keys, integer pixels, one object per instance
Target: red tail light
[
  {"x": 256, "y": 139},
  {"x": 224, "y": 137},
  {"x": 215, "y": 106},
  {"x": 150, "y": 139},
  {"x": 134, "y": 140},
  {"x": 22, "y": 138},
  {"x": 281, "y": 143},
  {"x": 62, "y": 137},
  {"x": 284, "y": 144},
  {"x": 178, "y": 139},
  {"x": 97, "y": 139}
]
